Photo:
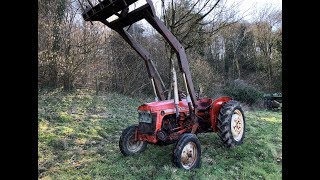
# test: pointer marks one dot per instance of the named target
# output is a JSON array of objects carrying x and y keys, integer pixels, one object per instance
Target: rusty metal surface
[
  {"x": 105, "y": 9},
  {"x": 131, "y": 17}
]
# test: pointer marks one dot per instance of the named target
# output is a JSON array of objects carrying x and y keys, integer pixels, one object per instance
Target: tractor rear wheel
[
  {"x": 128, "y": 146},
  {"x": 231, "y": 124},
  {"x": 187, "y": 152}
]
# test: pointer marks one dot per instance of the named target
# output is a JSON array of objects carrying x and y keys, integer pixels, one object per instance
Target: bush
[{"x": 243, "y": 92}]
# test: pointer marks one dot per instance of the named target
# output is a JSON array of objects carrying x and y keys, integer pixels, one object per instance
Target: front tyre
[
  {"x": 128, "y": 146},
  {"x": 231, "y": 124},
  {"x": 187, "y": 152}
]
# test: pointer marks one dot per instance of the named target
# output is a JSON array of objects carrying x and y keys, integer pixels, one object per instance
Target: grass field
[{"x": 78, "y": 137}]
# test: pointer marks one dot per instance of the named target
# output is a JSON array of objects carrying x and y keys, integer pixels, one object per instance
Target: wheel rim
[
  {"x": 134, "y": 146},
  {"x": 189, "y": 155},
  {"x": 237, "y": 125}
]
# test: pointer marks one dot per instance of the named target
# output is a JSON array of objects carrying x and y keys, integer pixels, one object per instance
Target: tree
[
  {"x": 49, "y": 42},
  {"x": 266, "y": 37},
  {"x": 220, "y": 47},
  {"x": 194, "y": 23},
  {"x": 66, "y": 46}
]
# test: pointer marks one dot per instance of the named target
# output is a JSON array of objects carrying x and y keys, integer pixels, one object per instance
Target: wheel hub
[
  {"x": 189, "y": 155},
  {"x": 237, "y": 125},
  {"x": 134, "y": 145}
]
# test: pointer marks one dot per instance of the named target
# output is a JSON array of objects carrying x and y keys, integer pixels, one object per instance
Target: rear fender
[{"x": 215, "y": 109}]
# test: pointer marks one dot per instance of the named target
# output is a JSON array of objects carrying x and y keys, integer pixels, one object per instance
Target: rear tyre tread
[{"x": 224, "y": 123}]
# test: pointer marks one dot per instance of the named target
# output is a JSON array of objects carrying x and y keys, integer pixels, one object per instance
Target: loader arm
[{"x": 105, "y": 9}]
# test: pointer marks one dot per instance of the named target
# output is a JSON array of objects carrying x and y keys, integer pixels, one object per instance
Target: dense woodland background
[{"x": 227, "y": 55}]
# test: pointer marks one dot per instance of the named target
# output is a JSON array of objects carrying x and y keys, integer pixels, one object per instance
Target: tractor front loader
[{"x": 167, "y": 121}]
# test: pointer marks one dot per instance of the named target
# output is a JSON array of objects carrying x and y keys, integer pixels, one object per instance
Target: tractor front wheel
[
  {"x": 187, "y": 152},
  {"x": 231, "y": 124},
  {"x": 127, "y": 143}
]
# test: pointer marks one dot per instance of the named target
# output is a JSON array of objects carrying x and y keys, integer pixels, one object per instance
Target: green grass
[{"x": 79, "y": 133}]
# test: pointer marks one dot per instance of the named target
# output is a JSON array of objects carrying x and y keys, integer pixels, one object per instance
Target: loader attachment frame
[{"x": 105, "y": 9}]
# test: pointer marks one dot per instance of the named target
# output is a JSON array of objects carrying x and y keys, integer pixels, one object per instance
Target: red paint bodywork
[
  {"x": 215, "y": 109},
  {"x": 167, "y": 107}
]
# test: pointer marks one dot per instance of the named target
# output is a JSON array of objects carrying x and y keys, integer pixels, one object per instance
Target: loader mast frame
[{"x": 107, "y": 8}]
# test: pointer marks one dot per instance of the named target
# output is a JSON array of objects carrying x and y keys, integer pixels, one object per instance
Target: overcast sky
[
  {"x": 247, "y": 8},
  {"x": 260, "y": 3},
  {"x": 253, "y": 5}
]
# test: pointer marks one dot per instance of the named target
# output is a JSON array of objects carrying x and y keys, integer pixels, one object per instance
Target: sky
[
  {"x": 247, "y": 7},
  {"x": 258, "y": 4},
  {"x": 253, "y": 5}
]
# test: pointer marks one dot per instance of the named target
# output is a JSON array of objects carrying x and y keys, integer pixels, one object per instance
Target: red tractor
[{"x": 167, "y": 121}]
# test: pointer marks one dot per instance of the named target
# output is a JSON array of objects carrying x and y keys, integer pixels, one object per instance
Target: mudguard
[{"x": 215, "y": 109}]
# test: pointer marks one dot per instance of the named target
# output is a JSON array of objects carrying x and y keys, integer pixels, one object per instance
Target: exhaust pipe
[
  {"x": 175, "y": 91},
  {"x": 154, "y": 90}
]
